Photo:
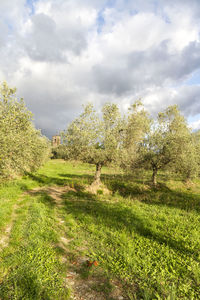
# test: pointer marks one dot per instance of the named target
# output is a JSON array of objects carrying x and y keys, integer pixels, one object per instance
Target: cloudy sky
[{"x": 61, "y": 54}]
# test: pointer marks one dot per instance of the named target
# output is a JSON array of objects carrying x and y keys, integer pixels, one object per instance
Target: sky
[{"x": 62, "y": 54}]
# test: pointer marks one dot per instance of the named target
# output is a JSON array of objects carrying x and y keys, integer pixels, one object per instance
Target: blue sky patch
[
  {"x": 194, "y": 79},
  {"x": 100, "y": 21},
  {"x": 31, "y": 5}
]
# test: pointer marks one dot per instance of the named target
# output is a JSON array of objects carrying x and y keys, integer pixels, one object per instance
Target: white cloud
[
  {"x": 69, "y": 52},
  {"x": 195, "y": 125}
]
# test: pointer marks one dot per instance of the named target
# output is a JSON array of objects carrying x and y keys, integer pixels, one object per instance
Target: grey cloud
[
  {"x": 53, "y": 106},
  {"x": 43, "y": 44},
  {"x": 142, "y": 69},
  {"x": 190, "y": 58},
  {"x": 55, "y": 92},
  {"x": 12, "y": 13},
  {"x": 10, "y": 54},
  {"x": 3, "y": 33},
  {"x": 48, "y": 43},
  {"x": 160, "y": 66},
  {"x": 111, "y": 79},
  {"x": 74, "y": 40},
  {"x": 186, "y": 97}
]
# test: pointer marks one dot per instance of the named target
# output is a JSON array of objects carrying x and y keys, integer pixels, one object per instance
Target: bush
[
  {"x": 60, "y": 152},
  {"x": 22, "y": 147}
]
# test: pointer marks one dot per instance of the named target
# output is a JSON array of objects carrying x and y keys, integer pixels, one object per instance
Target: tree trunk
[
  {"x": 97, "y": 177},
  {"x": 188, "y": 177},
  {"x": 154, "y": 176}
]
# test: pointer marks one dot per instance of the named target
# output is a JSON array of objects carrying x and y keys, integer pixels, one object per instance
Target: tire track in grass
[
  {"x": 85, "y": 283},
  {"x": 10, "y": 197},
  {"x": 19, "y": 269},
  {"x": 4, "y": 240},
  {"x": 30, "y": 268}
]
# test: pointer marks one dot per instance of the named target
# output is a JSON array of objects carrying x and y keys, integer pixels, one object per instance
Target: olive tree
[
  {"x": 95, "y": 138},
  {"x": 135, "y": 129},
  {"x": 189, "y": 166},
  {"x": 168, "y": 144},
  {"x": 22, "y": 147},
  {"x": 196, "y": 139}
]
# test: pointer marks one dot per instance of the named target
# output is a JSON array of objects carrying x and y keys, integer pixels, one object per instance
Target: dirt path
[
  {"x": 4, "y": 239},
  {"x": 82, "y": 289}
]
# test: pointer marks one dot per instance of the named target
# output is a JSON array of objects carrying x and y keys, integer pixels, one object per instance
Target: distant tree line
[
  {"x": 22, "y": 147},
  {"x": 59, "y": 152},
  {"x": 134, "y": 141}
]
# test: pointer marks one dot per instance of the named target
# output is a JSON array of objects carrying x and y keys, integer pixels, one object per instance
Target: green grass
[
  {"x": 31, "y": 266},
  {"x": 151, "y": 248},
  {"x": 34, "y": 269},
  {"x": 147, "y": 239}
]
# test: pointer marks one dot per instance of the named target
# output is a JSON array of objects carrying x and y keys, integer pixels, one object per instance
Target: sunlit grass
[
  {"x": 152, "y": 248},
  {"x": 147, "y": 238},
  {"x": 31, "y": 267}
]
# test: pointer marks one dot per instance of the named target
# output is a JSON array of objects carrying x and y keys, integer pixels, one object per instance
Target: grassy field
[{"x": 145, "y": 242}]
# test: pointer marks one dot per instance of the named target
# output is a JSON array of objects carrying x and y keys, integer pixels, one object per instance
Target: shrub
[
  {"x": 22, "y": 147},
  {"x": 60, "y": 152}
]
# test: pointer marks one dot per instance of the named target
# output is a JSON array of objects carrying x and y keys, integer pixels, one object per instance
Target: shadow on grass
[
  {"x": 183, "y": 200},
  {"x": 44, "y": 197},
  {"x": 119, "y": 217},
  {"x": 162, "y": 195},
  {"x": 77, "y": 181},
  {"x": 47, "y": 180},
  {"x": 79, "y": 196},
  {"x": 127, "y": 188},
  {"x": 77, "y": 177},
  {"x": 24, "y": 285}
]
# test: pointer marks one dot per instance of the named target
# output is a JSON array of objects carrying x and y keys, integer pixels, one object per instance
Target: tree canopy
[
  {"x": 169, "y": 144},
  {"x": 95, "y": 138},
  {"x": 134, "y": 140},
  {"x": 22, "y": 147}
]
